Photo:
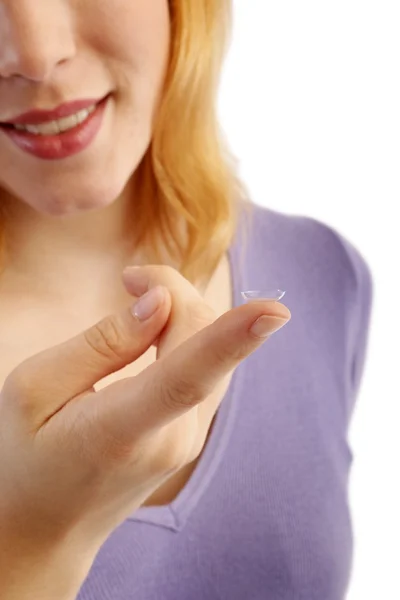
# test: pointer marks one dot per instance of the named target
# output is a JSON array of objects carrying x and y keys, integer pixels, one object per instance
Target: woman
[{"x": 142, "y": 457}]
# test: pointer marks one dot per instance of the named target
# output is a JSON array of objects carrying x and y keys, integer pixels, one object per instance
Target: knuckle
[
  {"x": 219, "y": 356},
  {"x": 102, "y": 449},
  {"x": 107, "y": 339},
  {"x": 180, "y": 393},
  {"x": 225, "y": 355},
  {"x": 116, "y": 453}
]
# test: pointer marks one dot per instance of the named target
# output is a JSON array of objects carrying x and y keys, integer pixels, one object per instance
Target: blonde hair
[{"x": 188, "y": 171}]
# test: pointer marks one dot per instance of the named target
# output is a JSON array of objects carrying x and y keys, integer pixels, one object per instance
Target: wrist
[{"x": 45, "y": 573}]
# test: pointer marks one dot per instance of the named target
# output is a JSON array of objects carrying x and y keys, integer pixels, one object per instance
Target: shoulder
[
  {"x": 328, "y": 280},
  {"x": 310, "y": 247}
]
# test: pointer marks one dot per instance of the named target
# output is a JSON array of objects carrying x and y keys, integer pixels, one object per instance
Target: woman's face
[{"x": 58, "y": 51}]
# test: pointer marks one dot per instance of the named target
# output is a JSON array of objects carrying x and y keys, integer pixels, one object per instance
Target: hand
[{"x": 74, "y": 463}]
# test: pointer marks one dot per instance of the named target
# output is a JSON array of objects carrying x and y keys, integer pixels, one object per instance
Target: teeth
[{"x": 60, "y": 125}]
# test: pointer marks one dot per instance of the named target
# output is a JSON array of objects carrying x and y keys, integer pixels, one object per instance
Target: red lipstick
[
  {"x": 34, "y": 117},
  {"x": 63, "y": 144}
]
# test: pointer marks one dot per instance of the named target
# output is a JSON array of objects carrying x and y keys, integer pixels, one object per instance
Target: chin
[{"x": 72, "y": 198}]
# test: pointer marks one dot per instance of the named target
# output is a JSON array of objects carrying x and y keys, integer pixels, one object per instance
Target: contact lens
[{"x": 261, "y": 295}]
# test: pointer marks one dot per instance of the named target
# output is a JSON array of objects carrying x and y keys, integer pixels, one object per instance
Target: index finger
[{"x": 189, "y": 312}]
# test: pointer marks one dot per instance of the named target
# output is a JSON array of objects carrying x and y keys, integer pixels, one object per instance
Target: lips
[
  {"x": 37, "y": 116},
  {"x": 62, "y": 145}
]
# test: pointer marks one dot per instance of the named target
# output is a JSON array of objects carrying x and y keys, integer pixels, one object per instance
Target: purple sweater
[{"x": 265, "y": 515}]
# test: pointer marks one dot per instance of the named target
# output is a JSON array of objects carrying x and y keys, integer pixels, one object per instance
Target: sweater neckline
[{"x": 174, "y": 515}]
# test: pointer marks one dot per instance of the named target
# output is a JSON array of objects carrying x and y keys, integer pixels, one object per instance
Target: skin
[
  {"x": 66, "y": 219},
  {"x": 66, "y": 235}
]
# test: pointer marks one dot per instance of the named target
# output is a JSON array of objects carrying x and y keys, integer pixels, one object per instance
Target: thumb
[
  {"x": 181, "y": 380},
  {"x": 45, "y": 382}
]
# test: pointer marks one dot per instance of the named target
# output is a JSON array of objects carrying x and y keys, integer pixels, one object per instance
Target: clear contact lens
[{"x": 261, "y": 295}]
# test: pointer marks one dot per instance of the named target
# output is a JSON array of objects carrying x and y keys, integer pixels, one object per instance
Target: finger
[
  {"x": 181, "y": 380},
  {"x": 189, "y": 311},
  {"x": 45, "y": 382}
]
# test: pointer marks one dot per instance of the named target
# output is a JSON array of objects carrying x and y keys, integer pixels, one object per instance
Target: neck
[{"x": 74, "y": 259}]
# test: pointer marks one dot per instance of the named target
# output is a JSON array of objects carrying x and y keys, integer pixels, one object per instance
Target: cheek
[
  {"x": 129, "y": 40},
  {"x": 132, "y": 40}
]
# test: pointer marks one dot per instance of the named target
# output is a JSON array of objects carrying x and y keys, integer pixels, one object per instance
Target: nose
[{"x": 35, "y": 37}]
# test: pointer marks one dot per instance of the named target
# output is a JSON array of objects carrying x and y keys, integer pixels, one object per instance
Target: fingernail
[
  {"x": 265, "y": 326},
  {"x": 147, "y": 305}
]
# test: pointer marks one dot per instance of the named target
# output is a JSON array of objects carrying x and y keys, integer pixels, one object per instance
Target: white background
[{"x": 310, "y": 101}]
